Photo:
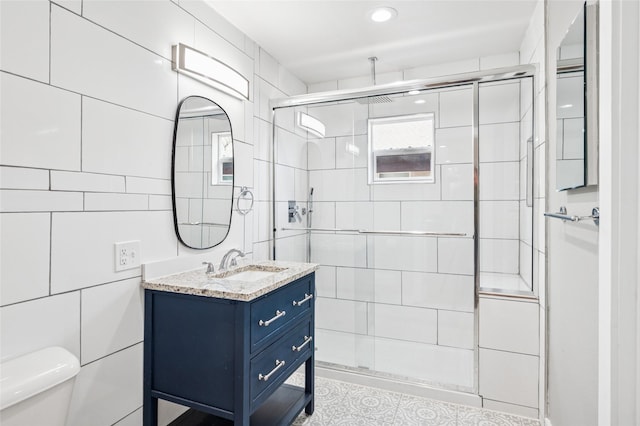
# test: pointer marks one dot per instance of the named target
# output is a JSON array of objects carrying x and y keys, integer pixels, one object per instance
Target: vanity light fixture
[
  {"x": 311, "y": 124},
  {"x": 383, "y": 14},
  {"x": 189, "y": 61}
]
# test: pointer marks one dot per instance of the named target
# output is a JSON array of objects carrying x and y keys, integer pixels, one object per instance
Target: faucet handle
[{"x": 210, "y": 268}]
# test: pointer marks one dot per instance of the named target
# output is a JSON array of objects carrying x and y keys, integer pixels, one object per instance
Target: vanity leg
[
  {"x": 309, "y": 378},
  {"x": 150, "y": 411}
]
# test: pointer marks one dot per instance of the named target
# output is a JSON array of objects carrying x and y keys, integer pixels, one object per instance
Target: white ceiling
[{"x": 322, "y": 40}]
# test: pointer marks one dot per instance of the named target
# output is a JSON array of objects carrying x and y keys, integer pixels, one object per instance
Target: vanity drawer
[
  {"x": 276, "y": 310},
  {"x": 268, "y": 367}
]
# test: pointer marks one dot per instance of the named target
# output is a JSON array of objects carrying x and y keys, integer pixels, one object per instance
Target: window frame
[{"x": 373, "y": 175}]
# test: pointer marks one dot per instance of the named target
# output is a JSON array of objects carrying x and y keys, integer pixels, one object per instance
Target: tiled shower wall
[{"x": 88, "y": 103}]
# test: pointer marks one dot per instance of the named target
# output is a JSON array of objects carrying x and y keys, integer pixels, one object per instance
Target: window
[
  {"x": 401, "y": 149},
  {"x": 222, "y": 158}
]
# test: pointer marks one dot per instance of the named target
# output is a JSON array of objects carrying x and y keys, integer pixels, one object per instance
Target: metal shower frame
[{"x": 464, "y": 79}]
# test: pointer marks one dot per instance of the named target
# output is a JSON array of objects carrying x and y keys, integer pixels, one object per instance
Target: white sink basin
[{"x": 249, "y": 273}]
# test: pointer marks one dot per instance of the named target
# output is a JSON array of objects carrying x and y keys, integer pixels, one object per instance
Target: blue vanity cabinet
[{"x": 230, "y": 358}]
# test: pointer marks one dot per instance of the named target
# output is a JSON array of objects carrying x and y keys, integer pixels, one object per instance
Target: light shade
[
  {"x": 311, "y": 124},
  {"x": 202, "y": 67}
]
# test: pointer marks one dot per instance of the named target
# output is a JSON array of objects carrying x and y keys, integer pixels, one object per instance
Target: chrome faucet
[
  {"x": 210, "y": 268},
  {"x": 229, "y": 260}
]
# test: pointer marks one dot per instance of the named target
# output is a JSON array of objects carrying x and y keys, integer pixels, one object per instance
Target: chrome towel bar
[
  {"x": 562, "y": 215},
  {"x": 366, "y": 232}
]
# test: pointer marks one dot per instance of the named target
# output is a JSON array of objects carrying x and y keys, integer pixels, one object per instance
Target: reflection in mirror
[
  {"x": 202, "y": 173},
  {"x": 570, "y": 107}
]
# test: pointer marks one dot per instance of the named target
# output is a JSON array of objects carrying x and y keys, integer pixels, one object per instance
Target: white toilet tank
[{"x": 35, "y": 389}]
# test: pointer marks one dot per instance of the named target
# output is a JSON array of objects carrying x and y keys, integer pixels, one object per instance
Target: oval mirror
[{"x": 202, "y": 173}]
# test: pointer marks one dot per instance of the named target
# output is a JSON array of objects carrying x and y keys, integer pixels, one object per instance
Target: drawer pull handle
[
  {"x": 279, "y": 314},
  {"x": 264, "y": 378},
  {"x": 307, "y": 340},
  {"x": 306, "y": 297}
]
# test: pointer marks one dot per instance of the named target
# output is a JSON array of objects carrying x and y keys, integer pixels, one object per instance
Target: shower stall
[{"x": 413, "y": 198}]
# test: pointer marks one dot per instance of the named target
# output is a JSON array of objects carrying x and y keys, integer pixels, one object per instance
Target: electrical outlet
[{"x": 127, "y": 255}]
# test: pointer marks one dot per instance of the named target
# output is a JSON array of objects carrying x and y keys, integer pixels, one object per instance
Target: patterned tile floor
[{"x": 341, "y": 403}]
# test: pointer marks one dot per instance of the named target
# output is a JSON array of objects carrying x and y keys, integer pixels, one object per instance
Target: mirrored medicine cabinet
[{"x": 576, "y": 103}]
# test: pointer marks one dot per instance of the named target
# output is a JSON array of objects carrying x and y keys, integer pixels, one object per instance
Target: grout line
[
  {"x": 50, "y": 248},
  {"x": 50, "y": 15}
]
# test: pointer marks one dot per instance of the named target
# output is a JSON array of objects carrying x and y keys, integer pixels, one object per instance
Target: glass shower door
[{"x": 391, "y": 225}]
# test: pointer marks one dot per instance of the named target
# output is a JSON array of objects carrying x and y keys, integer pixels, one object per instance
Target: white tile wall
[
  {"x": 26, "y": 236},
  {"x": 321, "y": 153},
  {"x": 405, "y": 323},
  {"x": 455, "y": 256},
  {"x": 35, "y": 35},
  {"x": 354, "y": 215},
  {"x": 499, "y": 103},
  {"x": 402, "y": 253},
  {"x": 386, "y": 215},
  {"x": 91, "y": 182},
  {"x": 137, "y": 135},
  {"x": 499, "y": 256},
  {"x": 39, "y": 201},
  {"x": 456, "y": 329},
  {"x": 437, "y": 364},
  {"x": 509, "y": 325},
  {"x": 387, "y": 287},
  {"x": 134, "y": 21},
  {"x": 132, "y": 419},
  {"x": 340, "y": 185},
  {"x": 22, "y": 178},
  {"x": 105, "y": 331},
  {"x": 438, "y": 216},
  {"x": 37, "y": 324},
  {"x": 326, "y": 281},
  {"x": 339, "y": 250},
  {"x": 341, "y": 315},
  {"x": 438, "y": 291},
  {"x": 108, "y": 389},
  {"x": 499, "y": 181},
  {"x": 454, "y": 145},
  {"x": 457, "y": 182},
  {"x": 509, "y": 377},
  {"x": 93, "y": 246},
  {"x": 456, "y": 108},
  {"x": 50, "y": 139},
  {"x": 500, "y": 219},
  {"x": 73, "y": 42},
  {"x": 355, "y": 284},
  {"x": 351, "y": 151},
  {"x": 407, "y": 191},
  {"x": 499, "y": 142}
]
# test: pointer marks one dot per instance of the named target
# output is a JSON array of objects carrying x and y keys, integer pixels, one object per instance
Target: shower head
[{"x": 374, "y": 100}]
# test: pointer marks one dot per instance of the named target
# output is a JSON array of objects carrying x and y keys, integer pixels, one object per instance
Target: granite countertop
[{"x": 199, "y": 283}]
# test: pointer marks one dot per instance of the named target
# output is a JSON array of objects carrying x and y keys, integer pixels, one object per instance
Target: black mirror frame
[{"x": 173, "y": 174}]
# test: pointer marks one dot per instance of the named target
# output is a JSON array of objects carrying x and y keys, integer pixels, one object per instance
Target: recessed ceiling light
[
  {"x": 414, "y": 92},
  {"x": 420, "y": 101},
  {"x": 382, "y": 14}
]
